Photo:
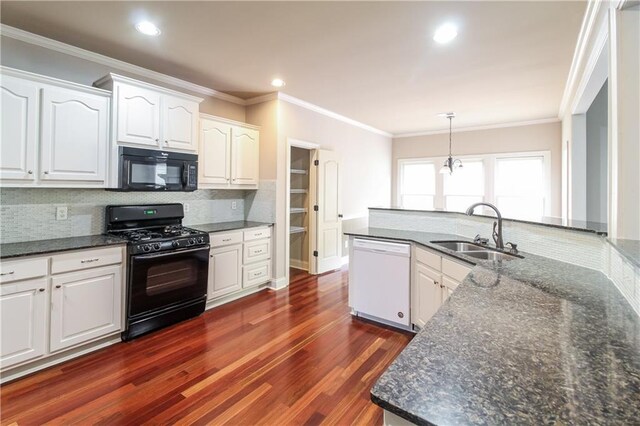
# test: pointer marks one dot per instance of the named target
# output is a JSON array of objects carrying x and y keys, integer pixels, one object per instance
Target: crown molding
[
  {"x": 475, "y": 128},
  {"x": 594, "y": 8},
  {"x": 77, "y": 52},
  {"x": 315, "y": 108},
  {"x": 262, "y": 98}
]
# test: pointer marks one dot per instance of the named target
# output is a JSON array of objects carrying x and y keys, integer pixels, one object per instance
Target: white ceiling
[{"x": 374, "y": 62}]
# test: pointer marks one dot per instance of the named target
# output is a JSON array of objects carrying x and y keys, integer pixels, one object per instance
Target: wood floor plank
[{"x": 288, "y": 357}]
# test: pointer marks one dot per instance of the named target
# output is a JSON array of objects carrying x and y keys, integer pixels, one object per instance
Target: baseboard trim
[
  {"x": 279, "y": 283},
  {"x": 299, "y": 264},
  {"x": 235, "y": 296}
]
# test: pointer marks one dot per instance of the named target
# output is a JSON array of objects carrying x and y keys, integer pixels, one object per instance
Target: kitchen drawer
[
  {"x": 455, "y": 270},
  {"x": 256, "y": 251},
  {"x": 22, "y": 269},
  {"x": 430, "y": 259},
  {"x": 256, "y": 274},
  {"x": 256, "y": 234},
  {"x": 219, "y": 240},
  {"x": 85, "y": 259}
]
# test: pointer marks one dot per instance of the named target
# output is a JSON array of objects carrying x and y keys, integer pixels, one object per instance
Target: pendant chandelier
[{"x": 450, "y": 164}]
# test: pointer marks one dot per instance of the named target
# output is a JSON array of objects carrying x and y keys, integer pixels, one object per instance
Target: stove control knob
[
  {"x": 175, "y": 244},
  {"x": 146, "y": 248},
  {"x": 156, "y": 246},
  {"x": 201, "y": 240},
  {"x": 192, "y": 241}
]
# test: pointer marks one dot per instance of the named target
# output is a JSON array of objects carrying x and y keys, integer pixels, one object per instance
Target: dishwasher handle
[{"x": 382, "y": 247}]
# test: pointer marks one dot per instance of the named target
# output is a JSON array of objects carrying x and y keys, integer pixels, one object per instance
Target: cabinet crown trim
[
  {"x": 228, "y": 121},
  {"x": 122, "y": 79},
  {"x": 43, "y": 79}
]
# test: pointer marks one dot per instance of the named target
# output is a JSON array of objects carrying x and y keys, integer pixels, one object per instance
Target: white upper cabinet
[
  {"x": 215, "y": 152},
  {"x": 138, "y": 115},
  {"x": 19, "y": 121},
  {"x": 74, "y": 135},
  {"x": 54, "y": 133},
  {"x": 152, "y": 117},
  {"x": 229, "y": 154},
  {"x": 180, "y": 123},
  {"x": 245, "y": 156}
]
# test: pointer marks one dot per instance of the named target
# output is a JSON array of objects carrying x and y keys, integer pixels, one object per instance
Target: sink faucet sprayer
[{"x": 497, "y": 234}]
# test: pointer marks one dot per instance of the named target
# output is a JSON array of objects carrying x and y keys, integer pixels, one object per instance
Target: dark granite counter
[
  {"x": 528, "y": 341},
  {"x": 30, "y": 248},
  {"x": 629, "y": 249},
  {"x": 554, "y": 222},
  {"x": 228, "y": 226}
]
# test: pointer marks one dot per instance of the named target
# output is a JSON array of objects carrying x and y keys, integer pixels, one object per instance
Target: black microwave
[{"x": 154, "y": 170}]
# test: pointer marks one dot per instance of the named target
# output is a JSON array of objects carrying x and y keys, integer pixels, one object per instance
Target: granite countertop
[
  {"x": 629, "y": 249},
  {"x": 30, "y": 248},
  {"x": 553, "y": 222},
  {"x": 529, "y": 341},
  {"x": 228, "y": 226}
]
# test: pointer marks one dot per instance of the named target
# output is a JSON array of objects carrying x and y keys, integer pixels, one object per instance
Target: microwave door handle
[{"x": 185, "y": 174}]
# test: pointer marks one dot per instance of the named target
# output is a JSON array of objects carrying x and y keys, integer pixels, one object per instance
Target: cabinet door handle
[
  {"x": 58, "y": 286},
  {"x": 8, "y": 273},
  {"x": 30, "y": 172},
  {"x": 226, "y": 239},
  {"x": 41, "y": 290},
  {"x": 166, "y": 142},
  {"x": 211, "y": 256},
  {"x": 90, "y": 260},
  {"x": 46, "y": 172},
  {"x": 441, "y": 286},
  {"x": 157, "y": 140}
]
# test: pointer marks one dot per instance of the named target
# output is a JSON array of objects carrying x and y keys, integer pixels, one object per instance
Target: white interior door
[
  {"x": 19, "y": 128},
  {"x": 328, "y": 218}
]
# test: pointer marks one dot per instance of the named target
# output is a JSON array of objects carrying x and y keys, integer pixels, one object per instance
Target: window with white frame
[
  {"x": 464, "y": 187},
  {"x": 520, "y": 187},
  {"x": 417, "y": 185},
  {"x": 517, "y": 183}
]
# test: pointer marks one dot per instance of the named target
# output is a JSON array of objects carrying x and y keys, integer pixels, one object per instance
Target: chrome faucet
[{"x": 497, "y": 234}]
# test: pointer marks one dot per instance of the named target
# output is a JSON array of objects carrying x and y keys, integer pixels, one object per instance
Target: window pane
[
  {"x": 418, "y": 202},
  {"x": 527, "y": 208},
  {"x": 520, "y": 183},
  {"x": 418, "y": 178},
  {"x": 520, "y": 176},
  {"x": 465, "y": 180},
  {"x": 460, "y": 203}
]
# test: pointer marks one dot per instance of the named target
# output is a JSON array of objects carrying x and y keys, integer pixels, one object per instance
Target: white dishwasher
[{"x": 380, "y": 281}]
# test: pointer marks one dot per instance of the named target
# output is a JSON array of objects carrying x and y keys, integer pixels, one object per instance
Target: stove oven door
[{"x": 162, "y": 280}]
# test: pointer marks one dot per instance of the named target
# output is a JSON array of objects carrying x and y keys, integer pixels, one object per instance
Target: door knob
[{"x": 340, "y": 216}]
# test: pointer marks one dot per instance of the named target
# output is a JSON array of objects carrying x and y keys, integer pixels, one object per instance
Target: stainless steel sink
[
  {"x": 489, "y": 255},
  {"x": 459, "y": 245},
  {"x": 475, "y": 250}
]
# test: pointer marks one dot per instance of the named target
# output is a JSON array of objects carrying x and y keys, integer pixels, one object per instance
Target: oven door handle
[{"x": 169, "y": 253}]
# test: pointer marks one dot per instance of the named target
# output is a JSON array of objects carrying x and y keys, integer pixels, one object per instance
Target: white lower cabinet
[
  {"x": 225, "y": 270},
  {"x": 23, "y": 309},
  {"x": 239, "y": 261},
  {"x": 435, "y": 277},
  {"x": 85, "y": 305},
  {"x": 53, "y": 305}
]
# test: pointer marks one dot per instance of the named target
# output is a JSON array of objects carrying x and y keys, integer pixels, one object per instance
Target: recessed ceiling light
[
  {"x": 277, "y": 82},
  {"x": 148, "y": 28},
  {"x": 445, "y": 33}
]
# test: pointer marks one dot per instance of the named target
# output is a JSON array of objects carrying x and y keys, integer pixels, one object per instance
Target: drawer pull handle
[
  {"x": 90, "y": 260},
  {"x": 258, "y": 234},
  {"x": 226, "y": 239},
  {"x": 8, "y": 273},
  {"x": 258, "y": 251},
  {"x": 257, "y": 274}
]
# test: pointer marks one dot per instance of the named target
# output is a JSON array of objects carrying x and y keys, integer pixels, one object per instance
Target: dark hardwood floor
[{"x": 290, "y": 357}]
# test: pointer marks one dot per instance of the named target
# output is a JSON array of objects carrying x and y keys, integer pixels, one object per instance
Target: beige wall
[
  {"x": 28, "y": 57},
  {"x": 366, "y": 156},
  {"x": 536, "y": 137},
  {"x": 265, "y": 115}
]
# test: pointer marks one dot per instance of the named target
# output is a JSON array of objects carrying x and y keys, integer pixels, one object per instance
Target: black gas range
[{"x": 167, "y": 267}]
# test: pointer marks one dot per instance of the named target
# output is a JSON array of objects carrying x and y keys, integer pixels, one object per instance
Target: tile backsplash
[{"x": 28, "y": 214}]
